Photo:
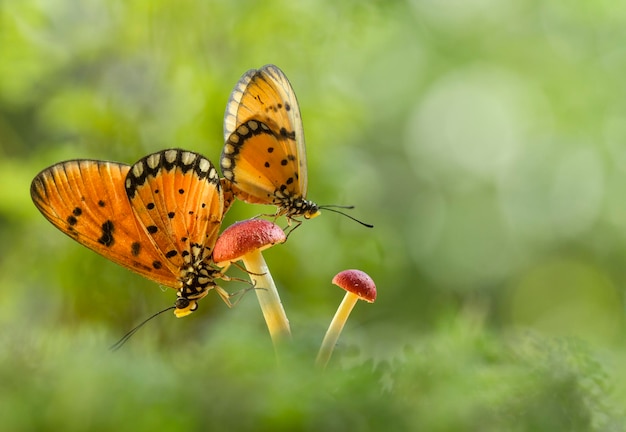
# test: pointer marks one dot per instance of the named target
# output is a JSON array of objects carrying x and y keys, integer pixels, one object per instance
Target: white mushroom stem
[
  {"x": 269, "y": 300},
  {"x": 335, "y": 328}
]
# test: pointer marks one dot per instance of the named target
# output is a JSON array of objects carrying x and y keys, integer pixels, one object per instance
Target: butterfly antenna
[
  {"x": 117, "y": 345},
  {"x": 333, "y": 208}
]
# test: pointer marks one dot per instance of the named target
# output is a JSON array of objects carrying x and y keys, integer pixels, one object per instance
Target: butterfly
[
  {"x": 159, "y": 217},
  {"x": 264, "y": 156}
]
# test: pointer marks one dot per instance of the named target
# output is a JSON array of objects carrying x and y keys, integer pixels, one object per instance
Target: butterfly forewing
[
  {"x": 232, "y": 117},
  {"x": 176, "y": 196},
  {"x": 86, "y": 200}
]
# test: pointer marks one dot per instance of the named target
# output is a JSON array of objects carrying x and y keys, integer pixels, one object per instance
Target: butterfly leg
[
  {"x": 291, "y": 229},
  {"x": 236, "y": 279},
  {"x": 225, "y": 296},
  {"x": 242, "y": 268},
  {"x": 240, "y": 293}
]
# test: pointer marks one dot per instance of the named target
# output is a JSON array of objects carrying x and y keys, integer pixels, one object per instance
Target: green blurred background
[{"x": 485, "y": 140}]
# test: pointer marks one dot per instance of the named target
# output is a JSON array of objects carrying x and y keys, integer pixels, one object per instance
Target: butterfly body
[
  {"x": 264, "y": 155},
  {"x": 159, "y": 217}
]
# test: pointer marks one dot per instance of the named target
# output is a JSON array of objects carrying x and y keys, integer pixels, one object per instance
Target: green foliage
[
  {"x": 483, "y": 139},
  {"x": 460, "y": 377}
]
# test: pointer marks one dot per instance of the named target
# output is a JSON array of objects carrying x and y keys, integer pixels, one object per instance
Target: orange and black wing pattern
[
  {"x": 159, "y": 217},
  {"x": 86, "y": 200},
  {"x": 264, "y": 155}
]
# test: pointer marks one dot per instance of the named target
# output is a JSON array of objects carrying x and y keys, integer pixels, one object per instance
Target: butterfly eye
[
  {"x": 182, "y": 303},
  {"x": 184, "y": 307}
]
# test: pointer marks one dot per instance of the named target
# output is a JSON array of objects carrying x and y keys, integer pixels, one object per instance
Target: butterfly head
[
  {"x": 184, "y": 305},
  {"x": 311, "y": 210},
  {"x": 196, "y": 283},
  {"x": 294, "y": 206}
]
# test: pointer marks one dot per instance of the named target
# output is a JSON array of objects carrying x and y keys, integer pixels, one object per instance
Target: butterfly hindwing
[
  {"x": 228, "y": 194},
  {"x": 259, "y": 163},
  {"x": 177, "y": 198},
  {"x": 86, "y": 200}
]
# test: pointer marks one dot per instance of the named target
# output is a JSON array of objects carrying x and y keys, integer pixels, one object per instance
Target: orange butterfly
[
  {"x": 264, "y": 155},
  {"x": 159, "y": 217}
]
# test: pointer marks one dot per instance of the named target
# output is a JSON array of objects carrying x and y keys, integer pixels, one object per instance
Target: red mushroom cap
[
  {"x": 243, "y": 237},
  {"x": 357, "y": 282}
]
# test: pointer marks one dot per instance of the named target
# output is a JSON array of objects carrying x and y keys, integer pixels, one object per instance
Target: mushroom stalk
[
  {"x": 244, "y": 241},
  {"x": 269, "y": 300},
  {"x": 335, "y": 328}
]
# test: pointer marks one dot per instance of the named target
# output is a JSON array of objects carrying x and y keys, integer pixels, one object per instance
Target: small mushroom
[
  {"x": 244, "y": 241},
  {"x": 358, "y": 286}
]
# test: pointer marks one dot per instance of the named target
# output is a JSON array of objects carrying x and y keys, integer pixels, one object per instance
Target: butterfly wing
[
  {"x": 228, "y": 193},
  {"x": 177, "y": 198},
  {"x": 232, "y": 117},
  {"x": 260, "y": 164},
  {"x": 86, "y": 200},
  {"x": 266, "y": 95}
]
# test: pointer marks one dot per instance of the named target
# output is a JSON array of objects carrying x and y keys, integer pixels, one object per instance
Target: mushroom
[
  {"x": 358, "y": 286},
  {"x": 244, "y": 241}
]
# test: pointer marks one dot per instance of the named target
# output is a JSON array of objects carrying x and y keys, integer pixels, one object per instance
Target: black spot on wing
[
  {"x": 286, "y": 134},
  {"x": 106, "y": 238}
]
